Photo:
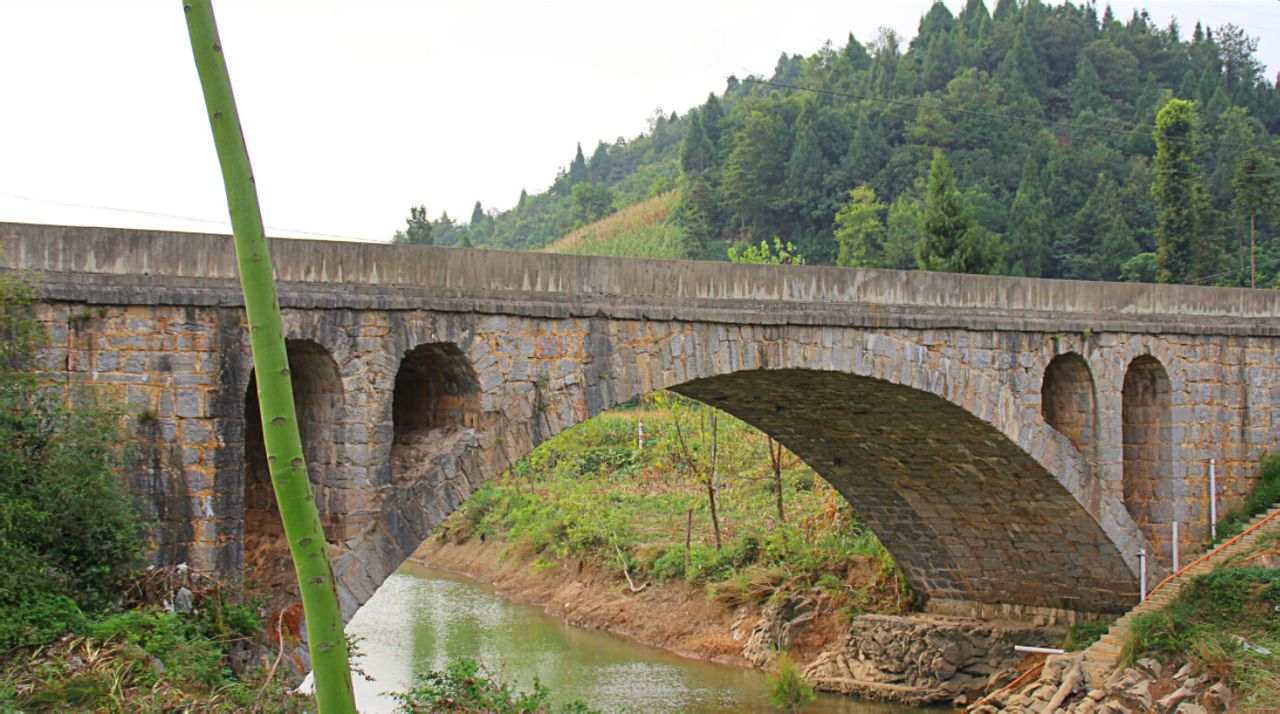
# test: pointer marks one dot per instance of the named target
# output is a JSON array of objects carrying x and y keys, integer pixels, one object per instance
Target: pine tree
[
  {"x": 940, "y": 62},
  {"x": 1029, "y": 225},
  {"x": 1086, "y": 88},
  {"x": 1255, "y": 192},
  {"x": 756, "y": 169},
  {"x": 974, "y": 20},
  {"x": 1103, "y": 232},
  {"x": 696, "y": 151},
  {"x": 712, "y": 119},
  {"x": 578, "y": 169},
  {"x": 868, "y": 152},
  {"x": 1186, "y": 250},
  {"x": 953, "y": 241},
  {"x": 902, "y": 233},
  {"x": 860, "y": 230}
]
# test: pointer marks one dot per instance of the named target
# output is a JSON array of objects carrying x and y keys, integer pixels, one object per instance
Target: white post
[
  {"x": 640, "y": 434},
  {"x": 1213, "y": 500},
  {"x": 1142, "y": 573},
  {"x": 1175, "y": 546}
]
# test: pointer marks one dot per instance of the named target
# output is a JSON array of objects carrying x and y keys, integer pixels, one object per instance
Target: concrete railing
[{"x": 539, "y": 276}]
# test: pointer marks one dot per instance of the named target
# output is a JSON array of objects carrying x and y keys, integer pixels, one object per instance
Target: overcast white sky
[{"x": 356, "y": 109}]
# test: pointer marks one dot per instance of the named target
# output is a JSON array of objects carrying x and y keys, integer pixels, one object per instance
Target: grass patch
[
  {"x": 641, "y": 230},
  {"x": 591, "y": 493},
  {"x": 1083, "y": 634},
  {"x": 1210, "y": 622}
]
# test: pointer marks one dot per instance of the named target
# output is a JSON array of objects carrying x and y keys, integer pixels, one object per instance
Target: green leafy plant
[
  {"x": 464, "y": 686},
  {"x": 787, "y": 688}
]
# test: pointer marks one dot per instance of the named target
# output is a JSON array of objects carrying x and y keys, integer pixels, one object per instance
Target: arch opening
[
  {"x": 435, "y": 405},
  {"x": 435, "y": 387},
  {"x": 1146, "y": 426},
  {"x": 1067, "y": 400},
  {"x": 969, "y": 515},
  {"x": 318, "y": 400}
]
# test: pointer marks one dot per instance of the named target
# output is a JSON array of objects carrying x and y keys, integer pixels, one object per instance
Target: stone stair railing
[{"x": 1101, "y": 658}]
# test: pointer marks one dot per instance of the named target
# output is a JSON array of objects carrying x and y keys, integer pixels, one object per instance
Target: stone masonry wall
[
  {"x": 921, "y": 396},
  {"x": 932, "y": 483}
]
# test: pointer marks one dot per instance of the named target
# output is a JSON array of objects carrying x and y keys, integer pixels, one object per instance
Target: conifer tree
[
  {"x": 1186, "y": 251},
  {"x": 1029, "y": 225},
  {"x": 952, "y": 240},
  {"x": 578, "y": 169},
  {"x": 1255, "y": 192},
  {"x": 1103, "y": 232},
  {"x": 1086, "y": 87},
  {"x": 860, "y": 230},
  {"x": 696, "y": 152}
]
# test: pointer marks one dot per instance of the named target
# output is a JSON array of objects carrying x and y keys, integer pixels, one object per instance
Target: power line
[{"x": 191, "y": 219}]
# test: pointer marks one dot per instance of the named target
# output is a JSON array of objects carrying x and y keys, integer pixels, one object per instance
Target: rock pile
[{"x": 1145, "y": 687}]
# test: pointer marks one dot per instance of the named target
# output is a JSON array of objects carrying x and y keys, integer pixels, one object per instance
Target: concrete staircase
[{"x": 1101, "y": 658}]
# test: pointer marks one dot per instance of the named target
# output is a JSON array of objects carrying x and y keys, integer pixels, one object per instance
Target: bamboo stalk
[{"x": 307, "y": 544}]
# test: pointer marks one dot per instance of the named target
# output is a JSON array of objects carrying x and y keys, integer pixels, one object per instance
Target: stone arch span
[{"x": 977, "y": 497}]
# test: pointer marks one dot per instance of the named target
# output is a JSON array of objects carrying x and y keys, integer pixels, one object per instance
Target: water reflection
[{"x": 420, "y": 619}]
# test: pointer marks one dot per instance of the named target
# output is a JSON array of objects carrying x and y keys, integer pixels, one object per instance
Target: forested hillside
[{"x": 1029, "y": 139}]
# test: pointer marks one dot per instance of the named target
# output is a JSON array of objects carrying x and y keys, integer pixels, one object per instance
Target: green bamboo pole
[{"x": 288, "y": 468}]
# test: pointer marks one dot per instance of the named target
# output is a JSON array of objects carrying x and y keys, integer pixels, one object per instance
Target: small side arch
[
  {"x": 1146, "y": 434},
  {"x": 1068, "y": 400}
]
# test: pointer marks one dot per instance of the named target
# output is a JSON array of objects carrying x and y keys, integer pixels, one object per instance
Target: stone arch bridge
[{"x": 1013, "y": 442}]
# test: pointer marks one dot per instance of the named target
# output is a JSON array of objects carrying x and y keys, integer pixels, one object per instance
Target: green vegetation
[
  {"x": 1224, "y": 623},
  {"x": 1083, "y": 634},
  {"x": 464, "y": 686},
  {"x": 1026, "y": 101},
  {"x": 641, "y": 230},
  {"x": 590, "y": 493},
  {"x": 80, "y": 627},
  {"x": 787, "y": 688},
  {"x": 1266, "y": 493},
  {"x": 69, "y": 536}
]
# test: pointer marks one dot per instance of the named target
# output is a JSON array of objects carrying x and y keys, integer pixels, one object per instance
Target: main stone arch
[{"x": 979, "y": 498}]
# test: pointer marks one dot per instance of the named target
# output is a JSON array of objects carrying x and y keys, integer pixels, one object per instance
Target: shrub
[
  {"x": 464, "y": 686},
  {"x": 67, "y": 525},
  {"x": 39, "y": 619},
  {"x": 787, "y": 689},
  {"x": 669, "y": 565}
]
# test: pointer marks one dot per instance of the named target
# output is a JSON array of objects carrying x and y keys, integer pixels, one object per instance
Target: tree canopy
[{"x": 1075, "y": 144}]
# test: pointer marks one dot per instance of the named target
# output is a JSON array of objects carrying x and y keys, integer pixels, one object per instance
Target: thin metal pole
[
  {"x": 1175, "y": 546},
  {"x": 1213, "y": 499},
  {"x": 1142, "y": 573}
]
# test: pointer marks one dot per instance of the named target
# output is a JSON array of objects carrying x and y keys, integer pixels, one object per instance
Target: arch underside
[{"x": 965, "y": 512}]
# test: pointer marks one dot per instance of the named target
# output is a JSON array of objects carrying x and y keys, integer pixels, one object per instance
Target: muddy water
[{"x": 422, "y": 618}]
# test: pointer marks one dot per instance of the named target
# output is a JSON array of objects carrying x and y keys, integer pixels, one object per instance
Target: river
[{"x": 421, "y": 618}]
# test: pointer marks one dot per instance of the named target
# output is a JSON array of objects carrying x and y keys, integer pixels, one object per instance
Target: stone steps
[{"x": 1101, "y": 658}]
